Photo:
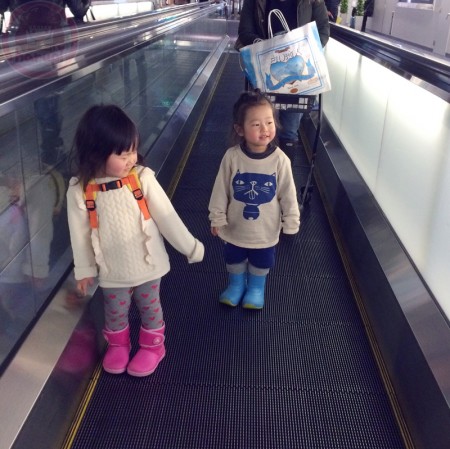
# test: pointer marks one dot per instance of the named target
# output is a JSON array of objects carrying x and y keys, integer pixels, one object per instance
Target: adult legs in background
[
  {"x": 48, "y": 115},
  {"x": 288, "y": 135},
  {"x": 334, "y": 10},
  {"x": 364, "y": 22}
]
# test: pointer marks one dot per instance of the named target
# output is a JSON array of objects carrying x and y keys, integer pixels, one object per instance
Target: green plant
[
  {"x": 360, "y": 8},
  {"x": 344, "y": 7}
]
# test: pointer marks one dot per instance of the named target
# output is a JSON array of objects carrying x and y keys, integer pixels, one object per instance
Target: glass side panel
[{"x": 36, "y": 139}]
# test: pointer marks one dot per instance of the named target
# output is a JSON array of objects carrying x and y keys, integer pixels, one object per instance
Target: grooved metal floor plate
[{"x": 298, "y": 374}]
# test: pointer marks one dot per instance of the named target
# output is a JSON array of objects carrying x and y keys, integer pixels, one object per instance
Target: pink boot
[
  {"x": 150, "y": 354},
  {"x": 118, "y": 352}
]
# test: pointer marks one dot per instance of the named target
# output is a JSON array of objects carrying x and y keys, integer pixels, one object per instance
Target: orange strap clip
[{"x": 131, "y": 181}]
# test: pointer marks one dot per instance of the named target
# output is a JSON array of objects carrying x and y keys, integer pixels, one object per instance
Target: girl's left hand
[
  {"x": 84, "y": 284},
  {"x": 215, "y": 231}
]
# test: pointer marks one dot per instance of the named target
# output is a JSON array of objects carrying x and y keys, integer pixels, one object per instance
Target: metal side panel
[{"x": 23, "y": 383}]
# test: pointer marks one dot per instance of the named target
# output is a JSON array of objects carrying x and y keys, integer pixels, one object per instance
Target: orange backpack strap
[
  {"x": 131, "y": 181},
  {"x": 90, "y": 193},
  {"x": 135, "y": 187}
]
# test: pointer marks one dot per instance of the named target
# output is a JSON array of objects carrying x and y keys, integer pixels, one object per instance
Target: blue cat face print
[{"x": 253, "y": 189}]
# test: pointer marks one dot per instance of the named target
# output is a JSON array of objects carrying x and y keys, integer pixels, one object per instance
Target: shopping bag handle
[
  {"x": 280, "y": 17},
  {"x": 255, "y": 41}
]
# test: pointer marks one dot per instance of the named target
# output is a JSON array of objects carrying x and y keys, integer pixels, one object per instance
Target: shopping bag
[{"x": 290, "y": 63}]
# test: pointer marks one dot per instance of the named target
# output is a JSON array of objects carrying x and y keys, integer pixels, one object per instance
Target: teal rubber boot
[
  {"x": 254, "y": 296},
  {"x": 235, "y": 291}
]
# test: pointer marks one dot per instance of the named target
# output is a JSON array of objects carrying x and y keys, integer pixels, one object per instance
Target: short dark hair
[{"x": 103, "y": 130}]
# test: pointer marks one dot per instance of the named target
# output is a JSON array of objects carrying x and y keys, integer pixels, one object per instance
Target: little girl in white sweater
[{"x": 118, "y": 215}]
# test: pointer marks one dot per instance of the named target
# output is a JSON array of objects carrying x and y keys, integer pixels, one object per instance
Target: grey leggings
[{"x": 117, "y": 303}]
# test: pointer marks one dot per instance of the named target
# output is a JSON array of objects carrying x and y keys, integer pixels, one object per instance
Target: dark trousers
[{"x": 260, "y": 258}]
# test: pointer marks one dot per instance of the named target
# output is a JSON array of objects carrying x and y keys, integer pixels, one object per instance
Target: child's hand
[
  {"x": 215, "y": 231},
  {"x": 84, "y": 284}
]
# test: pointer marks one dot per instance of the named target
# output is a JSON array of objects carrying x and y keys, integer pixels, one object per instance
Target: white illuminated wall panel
[
  {"x": 397, "y": 135},
  {"x": 356, "y": 106},
  {"x": 411, "y": 157},
  {"x": 437, "y": 262}
]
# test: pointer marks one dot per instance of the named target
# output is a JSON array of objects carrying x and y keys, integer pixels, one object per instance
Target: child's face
[
  {"x": 259, "y": 128},
  {"x": 119, "y": 165}
]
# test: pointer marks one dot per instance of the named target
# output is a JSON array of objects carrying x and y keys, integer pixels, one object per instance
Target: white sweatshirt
[
  {"x": 252, "y": 199},
  {"x": 126, "y": 250}
]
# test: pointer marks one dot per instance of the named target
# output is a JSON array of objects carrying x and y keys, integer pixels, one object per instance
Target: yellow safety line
[
  {"x": 79, "y": 415},
  {"x": 181, "y": 165}
]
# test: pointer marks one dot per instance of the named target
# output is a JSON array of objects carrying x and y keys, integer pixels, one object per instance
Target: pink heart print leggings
[{"x": 117, "y": 303}]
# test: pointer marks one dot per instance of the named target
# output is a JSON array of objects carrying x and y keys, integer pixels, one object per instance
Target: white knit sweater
[
  {"x": 126, "y": 250},
  {"x": 240, "y": 184}
]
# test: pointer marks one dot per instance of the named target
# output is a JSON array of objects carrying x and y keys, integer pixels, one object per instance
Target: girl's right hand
[
  {"x": 84, "y": 284},
  {"x": 215, "y": 231}
]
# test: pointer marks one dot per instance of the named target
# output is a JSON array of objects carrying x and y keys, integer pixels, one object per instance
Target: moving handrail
[
  {"x": 18, "y": 44},
  {"x": 62, "y": 53},
  {"x": 428, "y": 71}
]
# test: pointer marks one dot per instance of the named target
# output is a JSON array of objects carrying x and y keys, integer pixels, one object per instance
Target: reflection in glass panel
[{"x": 16, "y": 290}]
